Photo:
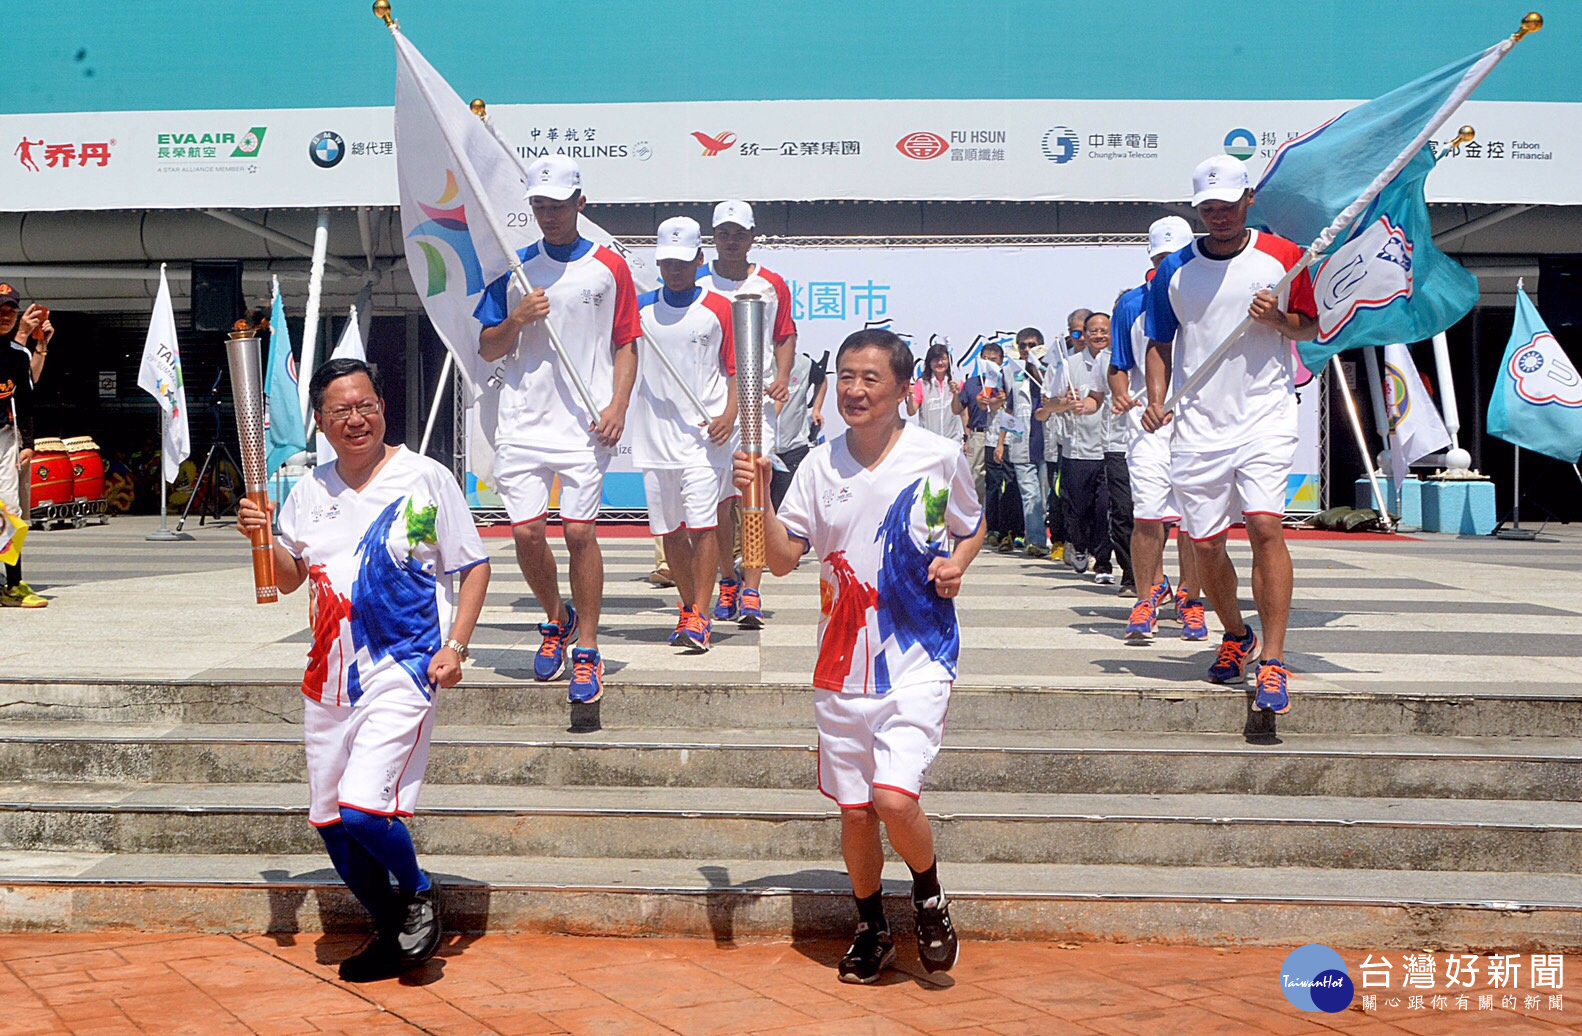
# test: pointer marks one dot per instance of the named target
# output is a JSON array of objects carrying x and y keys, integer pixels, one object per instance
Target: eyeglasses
[{"x": 342, "y": 414}]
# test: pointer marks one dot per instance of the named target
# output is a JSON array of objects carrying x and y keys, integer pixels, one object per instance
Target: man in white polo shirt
[
  {"x": 1236, "y": 435},
  {"x": 544, "y": 431}
]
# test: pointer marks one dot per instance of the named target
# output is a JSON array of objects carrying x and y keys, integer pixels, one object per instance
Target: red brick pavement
[{"x": 106, "y": 983}]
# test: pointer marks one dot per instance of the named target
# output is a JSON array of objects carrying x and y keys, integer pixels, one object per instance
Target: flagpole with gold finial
[{"x": 1531, "y": 23}]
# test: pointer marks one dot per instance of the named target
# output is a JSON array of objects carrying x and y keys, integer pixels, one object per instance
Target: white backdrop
[
  {"x": 964, "y": 293},
  {"x": 1027, "y": 150}
]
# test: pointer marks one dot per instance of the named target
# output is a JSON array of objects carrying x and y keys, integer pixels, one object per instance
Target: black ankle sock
[
  {"x": 870, "y": 909},
  {"x": 925, "y": 884}
]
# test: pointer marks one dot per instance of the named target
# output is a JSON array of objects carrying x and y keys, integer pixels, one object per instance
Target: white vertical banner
[{"x": 160, "y": 376}]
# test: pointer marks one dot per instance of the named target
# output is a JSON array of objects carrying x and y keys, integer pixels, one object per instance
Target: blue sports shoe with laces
[
  {"x": 550, "y": 661},
  {"x": 1272, "y": 694},
  {"x": 1231, "y": 663},
  {"x": 587, "y": 677}
]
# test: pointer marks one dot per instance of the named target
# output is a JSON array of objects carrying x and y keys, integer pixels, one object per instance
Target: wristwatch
[{"x": 458, "y": 647}]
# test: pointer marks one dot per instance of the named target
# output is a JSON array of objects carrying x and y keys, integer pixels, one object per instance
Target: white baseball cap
[
  {"x": 555, "y": 177},
  {"x": 1170, "y": 234},
  {"x": 680, "y": 237},
  {"x": 1221, "y": 178},
  {"x": 737, "y": 212}
]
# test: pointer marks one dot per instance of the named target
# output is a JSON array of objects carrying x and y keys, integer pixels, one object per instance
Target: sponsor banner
[
  {"x": 922, "y": 292},
  {"x": 1019, "y": 150}
]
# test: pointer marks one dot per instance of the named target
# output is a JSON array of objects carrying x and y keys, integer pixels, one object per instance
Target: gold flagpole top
[
  {"x": 1531, "y": 23},
  {"x": 382, "y": 9},
  {"x": 1464, "y": 135},
  {"x": 479, "y": 108}
]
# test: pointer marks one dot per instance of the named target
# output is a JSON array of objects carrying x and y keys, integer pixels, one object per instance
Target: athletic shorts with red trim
[
  {"x": 523, "y": 476},
  {"x": 680, "y": 497},
  {"x": 870, "y": 741},
  {"x": 1218, "y": 487},
  {"x": 1148, "y": 465},
  {"x": 370, "y": 756}
]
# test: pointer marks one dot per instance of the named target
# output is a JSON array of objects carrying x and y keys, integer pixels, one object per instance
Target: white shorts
[
  {"x": 10, "y": 477},
  {"x": 869, "y": 741},
  {"x": 683, "y": 497},
  {"x": 523, "y": 476},
  {"x": 1148, "y": 464},
  {"x": 1218, "y": 487},
  {"x": 370, "y": 756}
]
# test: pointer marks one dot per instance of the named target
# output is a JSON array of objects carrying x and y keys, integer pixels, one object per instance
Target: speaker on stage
[
  {"x": 216, "y": 295},
  {"x": 1560, "y": 290}
]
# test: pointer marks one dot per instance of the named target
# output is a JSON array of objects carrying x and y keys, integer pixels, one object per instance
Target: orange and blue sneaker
[
  {"x": 1194, "y": 622},
  {"x": 681, "y": 625},
  {"x": 697, "y": 633},
  {"x": 1231, "y": 662},
  {"x": 728, "y": 607},
  {"x": 1272, "y": 694},
  {"x": 550, "y": 661},
  {"x": 751, "y": 616},
  {"x": 587, "y": 677},
  {"x": 1144, "y": 619}
]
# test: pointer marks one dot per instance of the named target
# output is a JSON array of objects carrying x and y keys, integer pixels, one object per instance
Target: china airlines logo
[{"x": 714, "y": 145}]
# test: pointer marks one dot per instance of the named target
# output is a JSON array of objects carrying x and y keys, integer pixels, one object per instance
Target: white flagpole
[
  {"x": 464, "y": 164},
  {"x": 439, "y": 397},
  {"x": 1320, "y": 245},
  {"x": 649, "y": 345},
  {"x": 1362, "y": 444},
  {"x": 310, "y": 319}
]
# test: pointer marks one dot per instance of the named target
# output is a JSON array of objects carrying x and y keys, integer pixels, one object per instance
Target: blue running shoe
[
  {"x": 1194, "y": 618},
  {"x": 730, "y": 605},
  {"x": 1231, "y": 662},
  {"x": 681, "y": 626},
  {"x": 587, "y": 677},
  {"x": 752, "y": 612},
  {"x": 1272, "y": 694},
  {"x": 698, "y": 631},
  {"x": 1144, "y": 619},
  {"x": 550, "y": 661}
]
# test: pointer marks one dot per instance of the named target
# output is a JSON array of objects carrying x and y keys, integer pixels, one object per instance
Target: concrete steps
[
  {"x": 1052, "y": 762},
  {"x": 1363, "y": 820}
]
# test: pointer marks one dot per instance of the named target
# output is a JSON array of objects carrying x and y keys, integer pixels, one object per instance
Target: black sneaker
[
  {"x": 377, "y": 959},
  {"x": 420, "y": 931},
  {"x": 936, "y": 937},
  {"x": 871, "y": 952}
]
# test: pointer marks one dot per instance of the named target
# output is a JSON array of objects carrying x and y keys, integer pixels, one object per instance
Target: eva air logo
[{"x": 251, "y": 143}]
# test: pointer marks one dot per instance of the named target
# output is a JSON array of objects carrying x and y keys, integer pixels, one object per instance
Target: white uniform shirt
[
  {"x": 593, "y": 306},
  {"x": 875, "y": 533},
  {"x": 665, "y": 430},
  {"x": 1251, "y": 394},
  {"x": 772, "y": 288},
  {"x": 935, "y": 400},
  {"x": 1088, "y": 431},
  {"x": 380, "y": 563}
]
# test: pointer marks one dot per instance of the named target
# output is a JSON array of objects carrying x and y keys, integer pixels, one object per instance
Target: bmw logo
[
  {"x": 327, "y": 149},
  {"x": 1060, "y": 145}
]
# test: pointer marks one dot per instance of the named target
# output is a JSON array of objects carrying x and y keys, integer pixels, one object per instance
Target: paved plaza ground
[
  {"x": 520, "y": 984},
  {"x": 1427, "y": 615},
  {"x": 1433, "y": 614}
]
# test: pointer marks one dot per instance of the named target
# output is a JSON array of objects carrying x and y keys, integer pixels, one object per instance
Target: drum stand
[{"x": 211, "y": 507}]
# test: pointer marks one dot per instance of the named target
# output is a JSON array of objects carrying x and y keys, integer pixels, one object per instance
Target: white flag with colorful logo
[
  {"x": 1415, "y": 426},
  {"x": 160, "y": 377}
]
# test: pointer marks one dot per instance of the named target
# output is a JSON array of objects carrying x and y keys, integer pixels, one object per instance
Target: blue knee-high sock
[
  {"x": 387, "y": 840},
  {"x": 365, "y": 876}
]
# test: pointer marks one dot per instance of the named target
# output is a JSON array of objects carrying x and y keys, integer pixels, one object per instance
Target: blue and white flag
[
  {"x": 1381, "y": 280},
  {"x": 284, "y": 429},
  {"x": 1415, "y": 426},
  {"x": 1537, "y": 402}
]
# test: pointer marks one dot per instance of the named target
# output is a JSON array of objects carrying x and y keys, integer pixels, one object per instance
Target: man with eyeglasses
[
  {"x": 377, "y": 536},
  {"x": 544, "y": 432}
]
